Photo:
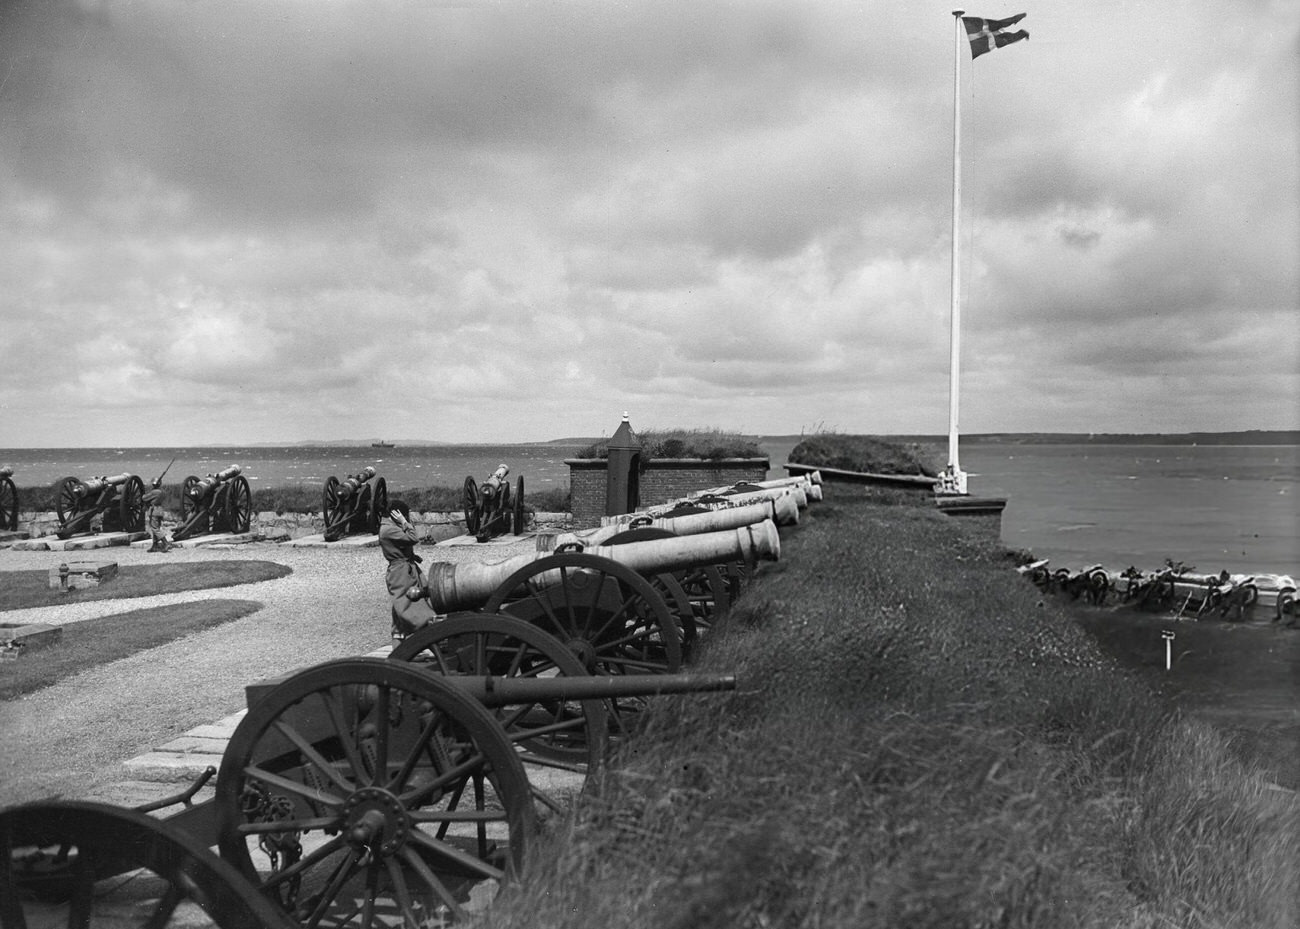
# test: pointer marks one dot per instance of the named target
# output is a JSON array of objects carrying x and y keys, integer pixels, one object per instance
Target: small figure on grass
[
  {"x": 154, "y": 520},
  {"x": 406, "y": 582}
]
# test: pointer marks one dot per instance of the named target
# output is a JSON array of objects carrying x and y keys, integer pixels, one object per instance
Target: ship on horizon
[{"x": 382, "y": 444}]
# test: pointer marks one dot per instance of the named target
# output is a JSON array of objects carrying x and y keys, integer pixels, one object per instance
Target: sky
[{"x": 283, "y": 220}]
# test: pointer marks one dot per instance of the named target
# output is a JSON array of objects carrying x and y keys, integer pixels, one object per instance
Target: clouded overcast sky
[{"x": 228, "y": 222}]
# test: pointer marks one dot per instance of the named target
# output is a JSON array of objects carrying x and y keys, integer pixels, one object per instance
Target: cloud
[{"x": 272, "y": 221}]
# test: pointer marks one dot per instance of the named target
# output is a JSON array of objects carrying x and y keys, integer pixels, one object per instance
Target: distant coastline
[{"x": 1248, "y": 437}]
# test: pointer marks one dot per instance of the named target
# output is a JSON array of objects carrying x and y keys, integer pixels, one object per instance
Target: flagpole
[{"x": 954, "y": 481}]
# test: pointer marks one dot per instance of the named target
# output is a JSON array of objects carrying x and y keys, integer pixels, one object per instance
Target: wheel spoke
[
  {"x": 346, "y": 739},
  {"x": 344, "y": 870},
  {"x": 307, "y": 861},
  {"x": 451, "y": 775},
  {"x": 402, "y": 892},
  {"x": 382, "y": 708},
  {"x": 315, "y": 757},
  {"x": 272, "y": 826},
  {"x": 306, "y": 791},
  {"x": 456, "y": 856},
  {"x": 421, "y": 867},
  {"x": 399, "y": 779}
]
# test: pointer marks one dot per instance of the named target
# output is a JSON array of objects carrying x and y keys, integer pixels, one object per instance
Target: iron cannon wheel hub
[{"x": 375, "y": 818}]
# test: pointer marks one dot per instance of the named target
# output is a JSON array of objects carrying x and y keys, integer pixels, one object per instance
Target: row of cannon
[
  {"x": 1174, "y": 588},
  {"x": 407, "y": 790},
  {"x": 223, "y": 502}
]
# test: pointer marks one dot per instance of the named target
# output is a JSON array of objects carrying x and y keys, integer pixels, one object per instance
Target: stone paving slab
[
  {"x": 79, "y": 543},
  {"x": 216, "y": 538},
  {"x": 496, "y": 540},
  {"x": 318, "y": 541},
  {"x": 171, "y": 767}
]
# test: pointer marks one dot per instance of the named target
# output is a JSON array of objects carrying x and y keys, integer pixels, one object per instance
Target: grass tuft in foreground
[
  {"x": 918, "y": 741},
  {"x": 93, "y": 642}
]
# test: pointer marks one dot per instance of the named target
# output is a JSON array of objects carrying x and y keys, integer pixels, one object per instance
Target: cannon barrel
[
  {"x": 749, "y": 496},
  {"x": 783, "y": 512},
  {"x": 497, "y": 477},
  {"x": 784, "y": 508},
  {"x": 201, "y": 488},
  {"x": 96, "y": 484},
  {"x": 496, "y": 692},
  {"x": 350, "y": 486},
  {"x": 469, "y": 585}
]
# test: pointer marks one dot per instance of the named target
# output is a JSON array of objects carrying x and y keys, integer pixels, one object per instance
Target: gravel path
[{"x": 71, "y": 737}]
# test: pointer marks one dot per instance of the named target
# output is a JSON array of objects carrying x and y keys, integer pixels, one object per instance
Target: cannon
[
  {"x": 359, "y": 792},
  {"x": 489, "y": 509},
  {"x": 355, "y": 504},
  {"x": 117, "y": 501},
  {"x": 8, "y": 500},
  {"x": 608, "y": 603},
  {"x": 221, "y": 502}
]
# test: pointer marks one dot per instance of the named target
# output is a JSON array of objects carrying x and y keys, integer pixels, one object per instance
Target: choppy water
[{"x": 1214, "y": 507}]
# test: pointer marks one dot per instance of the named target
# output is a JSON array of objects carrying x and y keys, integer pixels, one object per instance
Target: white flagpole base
[{"x": 952, "y": 481}]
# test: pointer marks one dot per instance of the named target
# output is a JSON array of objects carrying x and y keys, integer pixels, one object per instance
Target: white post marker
[{"x": 1168, "y": 636}]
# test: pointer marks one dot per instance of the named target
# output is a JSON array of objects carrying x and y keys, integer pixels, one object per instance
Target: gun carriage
[
  {"x": 355, "y": 504},
  {"x": 489, "y": 509},
  {"x": 220, "y": 502},
  {"x": 358, "y": 792},
  {"x": 117, "y": 501},
  {"x": 8, "y": 499}
]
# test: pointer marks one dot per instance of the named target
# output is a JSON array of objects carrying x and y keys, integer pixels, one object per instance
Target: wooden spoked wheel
[
  {"x": 130, "y": 505},
  {"x": 330, "y": 509},
  {"x": 239, "y": 505},
  {"x": 67, "y": 499},
  {"x": 192, "y": 521},
  {"x": 471, "y": 505},
  {"x": 607, "y": 615},
  {"x": 567, "y": 735},
  {"x": 8, "y": 504},
  {"x": 58, "y": 856},
  {"x": 517, "y": 514},
  {"x": 378, "y": 505},
  {"x": 368, "y": 792},
  {"x": 691, "y": 594}
]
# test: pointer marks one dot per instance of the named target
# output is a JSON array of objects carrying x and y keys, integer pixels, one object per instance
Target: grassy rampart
[{"x": 918, "y": 740}]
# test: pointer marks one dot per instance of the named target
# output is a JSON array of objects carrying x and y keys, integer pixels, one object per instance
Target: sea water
[{"x": 1215, "y": 508}]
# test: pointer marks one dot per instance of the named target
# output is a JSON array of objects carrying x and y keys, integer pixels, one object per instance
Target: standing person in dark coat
[
  {"x": 154, "y": 521},
  {"x": 405, "y": 580}
]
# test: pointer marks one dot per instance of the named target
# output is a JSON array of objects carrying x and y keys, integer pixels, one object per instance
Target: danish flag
[{"x": 988, "y": 34}]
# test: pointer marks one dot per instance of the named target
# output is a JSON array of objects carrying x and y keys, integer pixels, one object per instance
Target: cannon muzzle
[
  {"x": 350, "y": 486},
  {"x": 496, "y": 692},
  {"x": 470, "y": 585}
]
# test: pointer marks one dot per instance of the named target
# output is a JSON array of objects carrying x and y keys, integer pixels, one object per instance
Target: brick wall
[{"x": 666, "y": 479}]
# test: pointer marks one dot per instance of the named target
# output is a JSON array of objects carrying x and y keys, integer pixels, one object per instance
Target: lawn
[
  {"x": 23, "y": 589},
  {"x": 95, "y": 642}
]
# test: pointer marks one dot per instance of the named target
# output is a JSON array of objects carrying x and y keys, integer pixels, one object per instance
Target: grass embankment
[
  {"x": 918, "y": 741},
  {"x": 866, "y": 454},
  {"x": 95, "y": 642},
  {"x": 23, "y": 589}
]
